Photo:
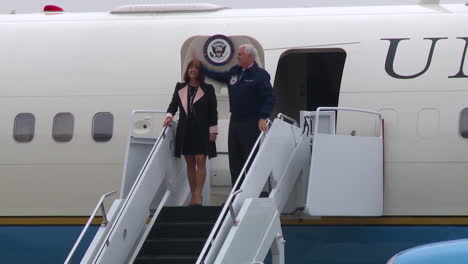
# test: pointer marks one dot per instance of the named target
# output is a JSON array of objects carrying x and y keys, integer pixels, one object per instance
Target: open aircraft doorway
[
  {"x": 219, "y": 53},
  {"x": 308, "y": 78}
]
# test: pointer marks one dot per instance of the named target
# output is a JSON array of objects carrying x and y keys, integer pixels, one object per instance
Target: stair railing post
[
  {"x": 100, "y": 205},
  {"x": 277, "y": 250},
  {"x": 104, "y": 215},
  {"x": 231, "y": 208}
]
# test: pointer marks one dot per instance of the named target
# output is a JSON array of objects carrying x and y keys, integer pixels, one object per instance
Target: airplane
[{"x": 70, "y": 82}]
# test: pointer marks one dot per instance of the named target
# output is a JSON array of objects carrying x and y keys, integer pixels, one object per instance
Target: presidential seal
[{"x": 218, "y": 50}]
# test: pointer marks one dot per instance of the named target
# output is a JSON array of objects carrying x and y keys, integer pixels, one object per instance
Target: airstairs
[
  {"x": 178, "y": 235},
  {"x": 150, "y": 222}
]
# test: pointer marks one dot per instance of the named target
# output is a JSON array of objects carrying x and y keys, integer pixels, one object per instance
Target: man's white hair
[{"x": 250, "y": 49}]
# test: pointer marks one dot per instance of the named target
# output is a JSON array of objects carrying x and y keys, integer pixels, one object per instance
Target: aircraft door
[
  {"x": 308, "y": 78},
  {"x": 219, "y": 53}
]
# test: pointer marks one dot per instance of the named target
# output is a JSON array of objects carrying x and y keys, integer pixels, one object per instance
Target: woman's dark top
[{"x": 198, "y": 117}]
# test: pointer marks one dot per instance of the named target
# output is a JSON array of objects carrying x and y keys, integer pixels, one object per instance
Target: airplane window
[
  {"x": 62, "y": 130},
  {"x": 23, "y": 130},
  {"x": 464, "y": 123},
  {"x": 103, "y": 125}
]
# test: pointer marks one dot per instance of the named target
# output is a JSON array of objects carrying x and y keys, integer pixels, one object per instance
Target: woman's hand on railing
[{"x": 167, "y": 121}]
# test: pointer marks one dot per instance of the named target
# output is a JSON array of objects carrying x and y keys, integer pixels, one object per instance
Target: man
[{"x": 251, "y": 102}]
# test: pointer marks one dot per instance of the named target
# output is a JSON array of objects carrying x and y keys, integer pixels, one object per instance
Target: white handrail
[
  {"x": 130, "y": 136},
  {"x": 104, "y": 223},
  {"x": 283, "y": 117},
  {"x": 317, "y": 112},
  {"x": 228, "y": 205},
  {"x": 132, "y": 190},
  {"x": 229, "y": 201}
]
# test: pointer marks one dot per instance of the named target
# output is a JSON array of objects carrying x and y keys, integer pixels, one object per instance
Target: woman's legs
[
  {"x": 191, "y": 173},
  {"x": 200, "y": 177}
]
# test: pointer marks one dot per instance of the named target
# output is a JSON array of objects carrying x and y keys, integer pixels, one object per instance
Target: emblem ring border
[{"x": 209, "y": 40}]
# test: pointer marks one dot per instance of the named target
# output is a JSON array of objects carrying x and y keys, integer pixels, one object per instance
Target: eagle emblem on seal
[{"x": 218, "y": 50}]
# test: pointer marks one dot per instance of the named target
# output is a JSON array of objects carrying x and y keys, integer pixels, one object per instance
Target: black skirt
[{"x": 194, "y": 141}]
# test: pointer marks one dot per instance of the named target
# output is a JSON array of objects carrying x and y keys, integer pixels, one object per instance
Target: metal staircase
[
  {"x": 244, "y": 229},
  {"x": 149, "y": 224},
  {"x": 249, "y": 226},
  {"x": 178, "y": 235}
]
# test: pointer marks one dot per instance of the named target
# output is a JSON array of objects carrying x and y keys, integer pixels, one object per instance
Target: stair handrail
[
  {"x": 161, "y": 136},
  {"x": 100, "y": 205},
  {"x": 285, "y": 117},
  {"x": 228, "y": 205},
  {"x": 131, "y": 136},
  {"x": 317, "y": 113}
]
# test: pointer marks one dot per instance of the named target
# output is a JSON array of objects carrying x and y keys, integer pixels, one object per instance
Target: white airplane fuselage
[{"x": 408, "y": 62}]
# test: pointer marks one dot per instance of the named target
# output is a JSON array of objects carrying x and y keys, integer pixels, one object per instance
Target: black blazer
[{"x": 204, "y": 110}]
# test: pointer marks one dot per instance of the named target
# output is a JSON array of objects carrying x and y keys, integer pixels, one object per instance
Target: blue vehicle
[{"x": 452, "y": 252}]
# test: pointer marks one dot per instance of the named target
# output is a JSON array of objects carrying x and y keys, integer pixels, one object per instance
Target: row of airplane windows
[
  {"x": 62, "y": 128},
  {"x": 103, "y": 126}
]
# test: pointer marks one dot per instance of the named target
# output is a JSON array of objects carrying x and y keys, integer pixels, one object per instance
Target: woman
[{"x": 197, "y": 128}]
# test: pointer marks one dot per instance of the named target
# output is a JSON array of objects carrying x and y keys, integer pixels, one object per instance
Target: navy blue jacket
[{"x": 250, "y": 93}]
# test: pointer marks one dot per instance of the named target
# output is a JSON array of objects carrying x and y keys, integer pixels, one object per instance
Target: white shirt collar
[{"x": 248, "y": 67}]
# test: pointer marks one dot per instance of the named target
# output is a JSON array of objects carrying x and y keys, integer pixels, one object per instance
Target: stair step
[
  {"x": 178, "y": 235},
  {"x": 175, "y": 259},
  {"x": 189, "y": 214},
  {"x": 181, "y": 229},
  {"x": 172, "y": 246}
]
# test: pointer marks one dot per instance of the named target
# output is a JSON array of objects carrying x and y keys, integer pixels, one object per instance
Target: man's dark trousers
[{"x": 241, "y": 138}]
